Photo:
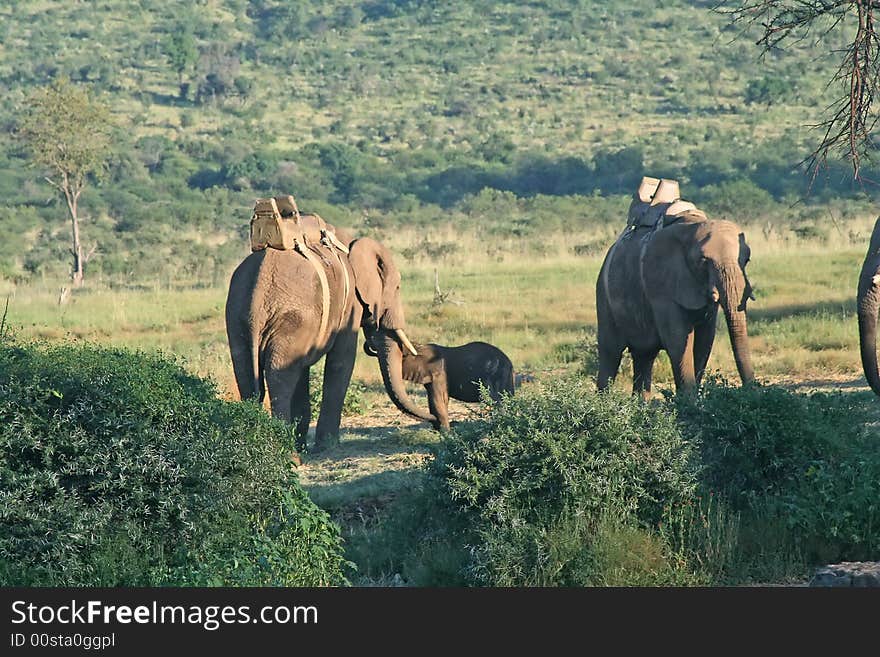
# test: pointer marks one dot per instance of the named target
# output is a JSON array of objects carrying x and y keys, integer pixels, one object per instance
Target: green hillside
[{"x": 383, "y": 113}]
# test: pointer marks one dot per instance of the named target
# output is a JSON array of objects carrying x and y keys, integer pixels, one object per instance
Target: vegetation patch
[
  {"x": 801, "y": 469},
  {"x": 539, "y": 493},
  {"x": 562, "y": 486},
  {"x": 118, "y": 468}
]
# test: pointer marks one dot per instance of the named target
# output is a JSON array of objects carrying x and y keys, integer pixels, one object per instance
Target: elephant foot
[{"x": 323, "y": 443}]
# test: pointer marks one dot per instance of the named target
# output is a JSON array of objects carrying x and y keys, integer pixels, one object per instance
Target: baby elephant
[{"x": 456, "y": 372}]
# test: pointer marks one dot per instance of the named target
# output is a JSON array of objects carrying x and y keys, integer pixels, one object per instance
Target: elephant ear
[
  {"x": 667, "y": 271},
  {"x": 366, "y": 258}
]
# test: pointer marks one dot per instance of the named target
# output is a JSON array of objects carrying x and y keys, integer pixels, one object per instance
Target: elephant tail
[{"x": 257, "y": 369}]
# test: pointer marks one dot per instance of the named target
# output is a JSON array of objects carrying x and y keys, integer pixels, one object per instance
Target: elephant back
[{"x": 278, "y": 224}]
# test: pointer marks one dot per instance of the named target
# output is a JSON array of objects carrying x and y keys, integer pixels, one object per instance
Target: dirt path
[{"x": 377, "y": 457}]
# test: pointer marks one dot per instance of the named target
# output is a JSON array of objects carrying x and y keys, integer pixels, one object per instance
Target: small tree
[
  {"x": 183, "y": 55},
  {"x": 67, "y": 131}
]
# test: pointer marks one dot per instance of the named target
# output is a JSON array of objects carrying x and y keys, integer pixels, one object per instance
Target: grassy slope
[
  {"x": 425, "y": 87},
  {"x": 556, "y": 75}
]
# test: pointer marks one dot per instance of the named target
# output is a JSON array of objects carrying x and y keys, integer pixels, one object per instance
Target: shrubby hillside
[{"x": 379, "y": 113}]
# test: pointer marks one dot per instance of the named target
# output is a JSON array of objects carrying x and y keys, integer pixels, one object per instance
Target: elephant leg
[
  {"x": 301, "y": 409},
  {"x": 681, "y": 355},
  {"x": 643, "y": 366},
  {"x": 338, "y": 367},
  {"x": 704, "y": 337},
  {"x": 609, "y": 364},
  {"x": 438, "y": 402},
  {"x": 677, "y": 337},
  {"x": 282, "y": 384},
  {"x": 609, "y": 344},
  {"x": 247, "y": 377}
]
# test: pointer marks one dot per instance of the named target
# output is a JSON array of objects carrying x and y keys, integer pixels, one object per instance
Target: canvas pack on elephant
[
  {"x": 303, "y": 293},
  {"x": 661, "y": 285},
  {"x": 658, "y": 202}
]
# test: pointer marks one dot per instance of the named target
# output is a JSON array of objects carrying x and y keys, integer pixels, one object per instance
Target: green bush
[
  {"x": 120, "y": 469},
  {"x": 802, "y": 463},
  {"x": 354, "y": 403},
  {"x": 537, "y": 480},
  {"x": 422, "y": 536}
]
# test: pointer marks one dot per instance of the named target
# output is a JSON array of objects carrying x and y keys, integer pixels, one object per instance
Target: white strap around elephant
[
  {"x": 329, "y": 239},
  {"x": 346, "y": 288},
  {"x": 306, "y": 252}
]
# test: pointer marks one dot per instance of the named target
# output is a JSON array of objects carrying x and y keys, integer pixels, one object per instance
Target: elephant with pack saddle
[
  {"x": 868, "y": 303},
  {"x": 289, "y": 307},
  {"x": 660, "y": 287}
]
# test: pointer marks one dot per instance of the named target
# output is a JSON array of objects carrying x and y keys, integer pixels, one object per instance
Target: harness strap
[
  {"x": 347, "y": 287},
  {"x": 329, "y": 239},
  {"x": 303, "y": 249}
]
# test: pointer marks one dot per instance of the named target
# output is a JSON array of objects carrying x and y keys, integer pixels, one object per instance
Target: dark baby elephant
[{"x": 455, "y": 372}]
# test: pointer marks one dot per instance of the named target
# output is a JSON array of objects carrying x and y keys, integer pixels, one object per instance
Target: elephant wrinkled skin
[
  {"x": 274, "y": 313},
  {"x": 662, "y": 289}
]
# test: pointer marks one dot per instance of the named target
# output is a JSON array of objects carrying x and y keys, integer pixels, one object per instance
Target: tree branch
[
  {"x": 851, "y": 117},
  {"x": 53, "y": 183},
  {"x": 88, "y": 256}
]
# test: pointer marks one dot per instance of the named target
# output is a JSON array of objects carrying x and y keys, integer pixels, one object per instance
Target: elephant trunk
[
  {"x": 868, "y": 303},
  {"x": 733, "y": 300},
  {"x": 391, "y": 366}
]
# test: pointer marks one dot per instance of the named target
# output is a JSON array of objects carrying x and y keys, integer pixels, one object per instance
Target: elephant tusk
[{"x": 405, "y": 340}]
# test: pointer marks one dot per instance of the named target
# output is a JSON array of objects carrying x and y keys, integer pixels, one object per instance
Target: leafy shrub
[
  {"x": 799, "y": 461},
  {"x": 768, "y": 90},
  {"x": 355, "y": 402},
  {"x": 811, "y": 232},
  {"x": 538, "y": 478},
  {"x": 431, "y": 250},
  {"x": 735, "y": 199},
  {"x": 119, "y": 468}
]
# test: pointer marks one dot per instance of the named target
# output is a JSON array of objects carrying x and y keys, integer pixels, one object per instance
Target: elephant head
[
  {"x": 868, "y": 302},
  {"x": 377, "y": 285},
  {"x": 703, "y": 263}
]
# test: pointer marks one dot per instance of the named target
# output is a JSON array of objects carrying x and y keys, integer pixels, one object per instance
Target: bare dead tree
[
  {"x": 3, "y": 320},
  {"x": 850, "y": 118},
  {"x": 443, "y": 297}
]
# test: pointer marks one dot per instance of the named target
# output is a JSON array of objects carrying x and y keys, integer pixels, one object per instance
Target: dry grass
[{"x": 533, "y": 298}]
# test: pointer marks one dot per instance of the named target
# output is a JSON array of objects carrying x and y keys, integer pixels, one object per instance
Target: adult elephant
[
  {"x": 868, "y": 299},
  {"x": 288, "y": 308},
  {"x": 660, "y": 288}
]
